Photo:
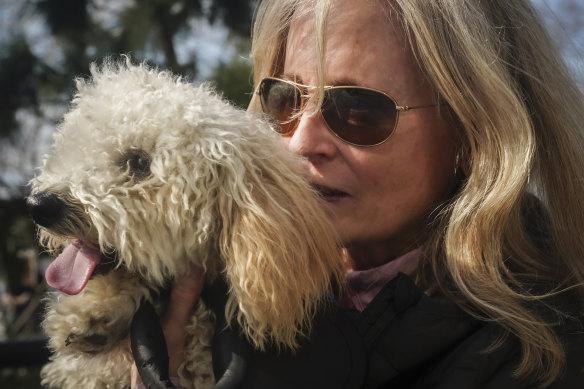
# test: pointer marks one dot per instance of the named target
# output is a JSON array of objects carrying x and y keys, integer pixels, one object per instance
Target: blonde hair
[{"x": 519, "y": 113}]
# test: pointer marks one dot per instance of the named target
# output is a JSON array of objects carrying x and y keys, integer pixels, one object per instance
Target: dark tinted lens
[
  {"x": 281, "y": 101},
  {"x": 360, "y": 116}
]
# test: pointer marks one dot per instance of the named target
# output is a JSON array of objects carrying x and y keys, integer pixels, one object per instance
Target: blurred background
[{"x": 45, "y": 44}]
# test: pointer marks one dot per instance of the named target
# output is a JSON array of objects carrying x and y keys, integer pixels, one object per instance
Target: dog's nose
[{"x": 45, "y": 208}]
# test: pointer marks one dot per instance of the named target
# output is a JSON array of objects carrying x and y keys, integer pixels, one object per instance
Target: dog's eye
[{"x": 136, "y": 162}]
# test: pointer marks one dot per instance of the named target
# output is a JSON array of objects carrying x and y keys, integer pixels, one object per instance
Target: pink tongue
[{"x": 70, "y": 271}]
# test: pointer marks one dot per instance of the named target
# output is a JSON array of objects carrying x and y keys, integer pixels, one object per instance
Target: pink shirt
[{"x": 363, "y": 285}]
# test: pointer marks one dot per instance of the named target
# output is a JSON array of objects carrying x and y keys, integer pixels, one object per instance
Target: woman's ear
[{"x": 281, "y": 256}]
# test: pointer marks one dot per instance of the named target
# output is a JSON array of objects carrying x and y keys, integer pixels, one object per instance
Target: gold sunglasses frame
[{"x": 303, "y": 96}]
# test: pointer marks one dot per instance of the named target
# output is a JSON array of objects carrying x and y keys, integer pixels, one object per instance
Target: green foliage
[
  {"x": 65, "y": 17},
  {"x": 154, "y": 24},
  {"x": 233, "y": 78},
  {"x": 17, "y": 83},
  {"x": 83, "y": 31},
  {"x": 233, "y": 13}
]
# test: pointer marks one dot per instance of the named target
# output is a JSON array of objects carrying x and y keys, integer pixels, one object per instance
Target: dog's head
[{"x": 156, "y": 173}]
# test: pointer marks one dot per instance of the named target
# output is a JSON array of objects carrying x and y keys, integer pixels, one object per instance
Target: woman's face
[{"x": 380, "y": 197}]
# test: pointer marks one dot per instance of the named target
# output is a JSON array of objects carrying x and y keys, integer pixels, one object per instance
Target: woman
[{"x": 468, "y": 179}]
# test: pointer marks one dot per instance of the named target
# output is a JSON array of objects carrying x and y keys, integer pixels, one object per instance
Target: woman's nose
[{"x": 312, "y": 138}]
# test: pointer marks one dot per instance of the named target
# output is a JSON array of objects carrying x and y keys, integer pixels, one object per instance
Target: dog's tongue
[{"x": 70, "y": 271}]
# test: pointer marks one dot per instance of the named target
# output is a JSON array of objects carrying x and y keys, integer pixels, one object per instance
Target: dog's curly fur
[{"x": 213, "y": 187}]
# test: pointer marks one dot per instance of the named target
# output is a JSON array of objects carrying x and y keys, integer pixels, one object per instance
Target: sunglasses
[{"x": 357, "y": 115}]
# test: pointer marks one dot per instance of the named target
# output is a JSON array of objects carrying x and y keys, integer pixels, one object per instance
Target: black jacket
[
  {"x": 416, "y": 341},
  {"x": 403, "y": 339}
]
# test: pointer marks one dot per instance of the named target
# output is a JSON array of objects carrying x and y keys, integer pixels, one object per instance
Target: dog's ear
[{"x": 281, "y": 251}]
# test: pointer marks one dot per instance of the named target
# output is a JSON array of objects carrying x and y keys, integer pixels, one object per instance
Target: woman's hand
[{"x": 183, "y": 296}]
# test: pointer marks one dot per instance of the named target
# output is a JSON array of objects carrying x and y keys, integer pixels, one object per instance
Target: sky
[
  {"x": 209, "y": 43},
  {"x": 565, "y": 20}
]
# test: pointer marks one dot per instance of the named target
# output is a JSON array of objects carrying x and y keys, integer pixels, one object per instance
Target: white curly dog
[{"x": 148, "y": 174}]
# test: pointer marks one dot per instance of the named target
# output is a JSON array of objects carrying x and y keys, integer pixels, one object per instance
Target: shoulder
[{"x": 420, "y": 341}]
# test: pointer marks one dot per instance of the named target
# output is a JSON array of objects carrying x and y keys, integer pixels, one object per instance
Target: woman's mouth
[{"x": 329, "y": 194}]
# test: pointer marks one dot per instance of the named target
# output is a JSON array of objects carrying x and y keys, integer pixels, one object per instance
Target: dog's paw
[
  {"x": 97, "y": 319},
  {"x": 86, "y": 334},
  {"x": 99, "y": 335}
]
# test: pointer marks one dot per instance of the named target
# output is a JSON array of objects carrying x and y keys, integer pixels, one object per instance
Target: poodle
[{"x": 148, "y": 174}]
